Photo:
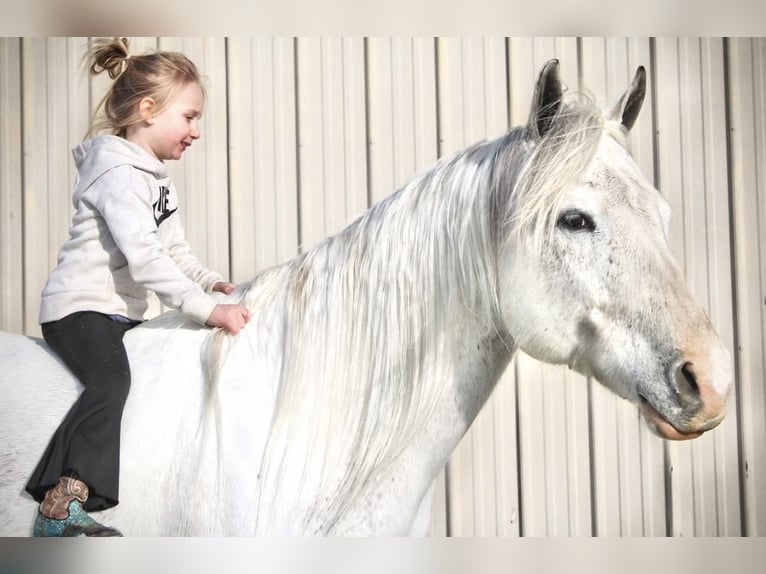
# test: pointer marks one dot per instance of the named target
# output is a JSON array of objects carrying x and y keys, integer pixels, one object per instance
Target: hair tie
[{"x": 124, "y": 64}]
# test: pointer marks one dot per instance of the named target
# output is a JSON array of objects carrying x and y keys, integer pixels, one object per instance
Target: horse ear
[
  {"x": 627, "y": 107},
  {"x": 546, "y": 102}
]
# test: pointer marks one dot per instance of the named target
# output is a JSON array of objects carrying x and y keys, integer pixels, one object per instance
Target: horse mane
[{"x": 366, "y": 312}]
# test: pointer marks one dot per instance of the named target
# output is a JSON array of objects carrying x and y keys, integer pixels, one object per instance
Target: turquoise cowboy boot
[{"x": 61, "y": 512}]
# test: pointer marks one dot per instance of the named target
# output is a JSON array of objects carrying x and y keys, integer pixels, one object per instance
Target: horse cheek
[{"x": 537, "y": 322}]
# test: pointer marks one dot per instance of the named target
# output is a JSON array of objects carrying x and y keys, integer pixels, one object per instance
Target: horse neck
[
  {"x": 377, "y": 319},
  {"x": 396, "y": 290}
]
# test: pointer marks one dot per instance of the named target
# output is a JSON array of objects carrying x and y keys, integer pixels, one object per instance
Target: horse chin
[{"x": 661, "y": 427}]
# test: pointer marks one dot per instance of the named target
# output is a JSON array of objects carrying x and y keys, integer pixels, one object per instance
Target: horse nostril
[
  {"x": 686, "y": 371},
  {"x": 688, "y": 389}
]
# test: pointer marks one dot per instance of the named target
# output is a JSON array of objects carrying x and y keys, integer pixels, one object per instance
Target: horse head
[{"x": 590, "y": 278}]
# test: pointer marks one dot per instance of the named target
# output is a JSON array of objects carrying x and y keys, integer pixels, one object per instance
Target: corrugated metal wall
[{"x": 302, "y": 135}]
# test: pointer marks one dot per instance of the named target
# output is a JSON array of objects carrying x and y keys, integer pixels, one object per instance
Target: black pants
[{"x": 87, "y": 443}]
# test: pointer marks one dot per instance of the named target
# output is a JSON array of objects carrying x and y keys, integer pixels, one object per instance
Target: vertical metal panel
[
  {"x": 56, "y": 168},
  {"x": 332, "y": 139},
  {"x": 55, "y": 117},
  {"x": 35, "y": 185},
  {"x": 713, "y": 461},
  {"x": 78, "y": 109},
  {"x": 402, "y": 112},
  {"x": 747, "y": 70},
  {"x": 690, "y": 85},
  {"x": 11, "y": 177},
  {"x": 262, "y": 154},
  {"x": 719, "y": 302}
]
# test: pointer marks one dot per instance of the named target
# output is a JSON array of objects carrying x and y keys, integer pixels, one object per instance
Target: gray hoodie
[{"x": 125, "y": 238}]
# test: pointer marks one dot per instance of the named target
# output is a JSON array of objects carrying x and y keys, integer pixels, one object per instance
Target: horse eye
[{"x": 576, "y": 221}]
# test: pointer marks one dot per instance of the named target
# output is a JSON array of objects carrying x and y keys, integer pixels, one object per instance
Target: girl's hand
[
  {"x": 223, "y": 287},
  {"x": 231, "y": 318}
]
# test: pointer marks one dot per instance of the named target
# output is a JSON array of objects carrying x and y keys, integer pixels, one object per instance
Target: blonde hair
[{"x": 157, "y": 75}]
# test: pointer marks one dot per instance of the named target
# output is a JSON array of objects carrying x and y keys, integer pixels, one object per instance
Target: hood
[{"x": 94, "y": 157}]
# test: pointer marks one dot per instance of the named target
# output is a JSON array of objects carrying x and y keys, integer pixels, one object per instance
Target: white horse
[{"x": 368, "y": 357}]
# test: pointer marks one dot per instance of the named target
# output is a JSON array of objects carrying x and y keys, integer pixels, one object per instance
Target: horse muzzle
[
  {"x": 700, "y": 387},
  {"x": 663, "y": 428}
]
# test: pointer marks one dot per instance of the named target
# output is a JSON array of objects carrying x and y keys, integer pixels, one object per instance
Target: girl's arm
[
  {"x": 181, "y": 253},
  {"x": 124, "y": 201}
]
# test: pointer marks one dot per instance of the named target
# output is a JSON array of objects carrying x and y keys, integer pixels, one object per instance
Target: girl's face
[{"x": 174, "y": 129}]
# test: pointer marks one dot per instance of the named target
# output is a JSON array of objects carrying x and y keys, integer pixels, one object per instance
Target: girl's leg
[{"x": 86, "y": 446}]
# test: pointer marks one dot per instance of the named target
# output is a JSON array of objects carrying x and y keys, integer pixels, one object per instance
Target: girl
[{"x": 125, "y": 238}]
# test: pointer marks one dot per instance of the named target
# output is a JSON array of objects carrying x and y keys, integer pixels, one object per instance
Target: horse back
[{"x": 36, "y": 390}]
